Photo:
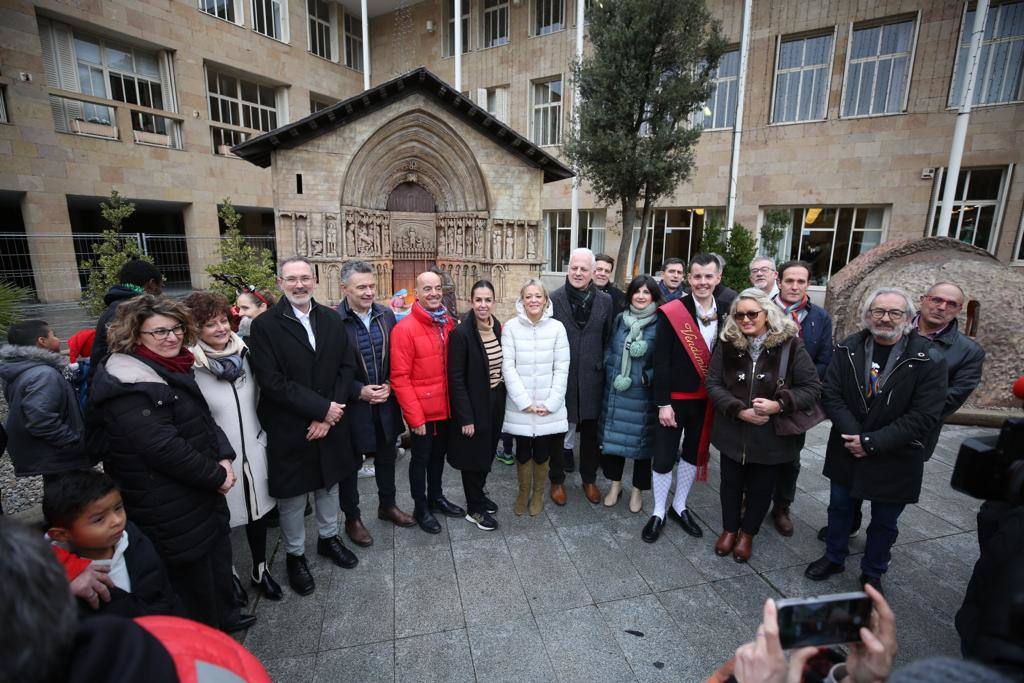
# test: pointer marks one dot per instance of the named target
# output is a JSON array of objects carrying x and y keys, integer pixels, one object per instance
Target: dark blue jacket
[
  {"x": 629, "y": 417},
  {"x": 364, "y": 433},
  {"x": 816, "y": 334}
]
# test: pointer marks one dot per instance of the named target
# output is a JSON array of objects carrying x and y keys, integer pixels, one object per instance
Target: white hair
[
  {"x": 765, "y": 259},
  {"x": 909, "y": 309},
  {"x": 583, "y": 251}
]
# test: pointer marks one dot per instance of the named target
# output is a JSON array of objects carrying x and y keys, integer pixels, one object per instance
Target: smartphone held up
[{"x": 823, "y": 620}]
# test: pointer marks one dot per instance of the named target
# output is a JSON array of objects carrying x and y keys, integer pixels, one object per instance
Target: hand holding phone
[{"x": 823, "y": 620}]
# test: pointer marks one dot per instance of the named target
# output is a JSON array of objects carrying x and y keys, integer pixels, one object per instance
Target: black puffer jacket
[
  {"x": 164, "y": 449},
  {"x": 113, "y": 298}
]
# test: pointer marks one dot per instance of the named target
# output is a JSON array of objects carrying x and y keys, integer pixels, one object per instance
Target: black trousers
[
  {"x": 348, "y": 496},
  {"x": 204, "y": 586},
  {"x": 426, "y": 463},
  {"x": 589, "y": 455},
  {"x": 785, "y": 484},
  {"x": 689, "y": 423},
  {"x": 540, "y": 449},
  {"x": 473, "y": 484},
  {"x": 614, "y": 465},
  {"x": 756, "y": 483}
]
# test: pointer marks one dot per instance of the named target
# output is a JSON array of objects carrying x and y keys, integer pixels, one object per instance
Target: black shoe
[
  {"x": 446, "y": 508},
  {"x": 244, "y": 622},
  {"x": 873, "y": 581},
  {"x": 483, "y": 520},
  {"x": 822, "y": 568},
  {"x": 823, "y": 531},
  {"x": 340, "y": 555},
  {"x": 652, "y": 530},
  {"x": 490, "y": 506},
  {"x": 299, "y": 577},
  {"x": 267, "y": 586},
  {"x": 567, "y": 458},
  {"x": 686, "y": 521},
  {"x": 238, "y": 595},
  {"x": 427, "y": 521}
]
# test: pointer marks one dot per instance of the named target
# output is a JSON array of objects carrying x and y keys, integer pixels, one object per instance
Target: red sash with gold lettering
[{"x": 689, "y": 335}]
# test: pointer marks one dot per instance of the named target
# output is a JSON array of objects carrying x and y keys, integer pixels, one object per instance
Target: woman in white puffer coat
[{"x": 535, "y": 364}]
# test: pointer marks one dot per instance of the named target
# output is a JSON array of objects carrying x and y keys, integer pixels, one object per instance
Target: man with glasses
[
  {"x": 763, "y": 275},
  {"x": 304, "y": 365},
  {"x": 884, "y": 392}
]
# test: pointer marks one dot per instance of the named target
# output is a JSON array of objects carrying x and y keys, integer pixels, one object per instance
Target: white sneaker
[{"x": 367, "y": 471}]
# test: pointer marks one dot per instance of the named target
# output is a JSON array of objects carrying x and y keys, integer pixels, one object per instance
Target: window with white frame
[
  {"x": 495, "y": 18},
  {"x": 353, "y": 42},
  {"x": 558, "y": 227},
  {"x": 830, "y": 237},
  {"x": 672, "y": 233},
  {"x": 977, "y": 206},
  {"x": 241, "y": 102},
  {"x": 497, "y": 102},
  {"x": 321, "y": 28},
  {"x": 1001, "y": 60},
  {"x": 878, "y": 73},
  {"x": 548, "y": 16},
  {"x": 546, "y": 122},
  {"x": 724, "y": 94},
  {"x": 228, "y": 10},
  {"x": 449, "y": 27},
  {"x": 316, "y": 103},
  {"x": 270, "y": 17},
  {"x": 801, "y": 78},
  {"x": 592, "y": 231}
]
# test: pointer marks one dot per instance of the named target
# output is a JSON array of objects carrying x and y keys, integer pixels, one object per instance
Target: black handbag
[{"x": 797, "y": 421}]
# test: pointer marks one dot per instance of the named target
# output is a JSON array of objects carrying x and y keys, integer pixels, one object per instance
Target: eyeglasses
[
  {"x": 162, "y": 333},
  {"x": 939, "y": 301},
  {"x": 760, "y": 271},
  {"x": 740, "y": 316},
  {"x": 894, "y": 314},
  {"x": 291, "y": 280}
]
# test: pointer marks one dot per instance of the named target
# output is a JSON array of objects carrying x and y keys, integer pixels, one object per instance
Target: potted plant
[{"x": 101, "y": 128}]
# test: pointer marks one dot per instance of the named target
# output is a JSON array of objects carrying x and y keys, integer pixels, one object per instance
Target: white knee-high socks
[
  {"x": 685, "y": 474},
  {"x": 661, "y": 484}
]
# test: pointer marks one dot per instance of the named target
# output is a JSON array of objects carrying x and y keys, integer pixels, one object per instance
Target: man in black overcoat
[{"x": 304, "y": 366}]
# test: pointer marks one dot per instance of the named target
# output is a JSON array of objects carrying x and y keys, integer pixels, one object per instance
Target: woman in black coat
[
  {"x": 477, "y": 392},
  {"x": 172, "y": 461}
]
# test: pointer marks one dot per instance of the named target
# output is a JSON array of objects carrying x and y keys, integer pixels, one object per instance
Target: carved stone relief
[
  {"x": 514, "y": 240},
  {"x": 297, "y": 225},
  {"x": 367, "y": 233}
]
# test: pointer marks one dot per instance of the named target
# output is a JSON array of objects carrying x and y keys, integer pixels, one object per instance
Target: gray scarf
[
  {"x": 756, "y": 345},
  {"x": 225, "y": 364},
  {"x": 636, "y": 319}
]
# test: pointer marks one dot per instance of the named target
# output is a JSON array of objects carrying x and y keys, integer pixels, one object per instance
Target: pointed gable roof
[{"x": 421, "y": 80}]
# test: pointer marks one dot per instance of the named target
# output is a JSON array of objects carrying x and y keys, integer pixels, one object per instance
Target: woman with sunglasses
[
  {"x": 745, "y": 386},
  {"x": 171, "y": 459}
]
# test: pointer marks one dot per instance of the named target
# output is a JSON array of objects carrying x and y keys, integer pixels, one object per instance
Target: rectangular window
[
  {"x": 269, "y": 17},
  {"x": 239, "y": 102},
  {"x": 317, "y": 103},
  {"x": 977, "y": 205},
  {"x": 222, "y": 9},
  {"x": 548, "y": 16},
  {"x": 353, "y": 42},
  {"x": 321, "y": 39},
  {"x": 724, "y": 93},
  {"x": 830, "y": 237},
  {"x": 558, "y": 226},
  {"x": 878, "y": 74},
  {"x": 547, "y": 112},
  {"x": 1019, "y": 250},
  {"x": 497, "y": 102},
  {"x": 801, "y": 79},
  {"x": 495, "y": 23},
  {"x": 672, "y": 233},
  {"x": 449, "y": 27},
  {"x": 591, "y": 232},
  {"x": 1001, "y": 60}
]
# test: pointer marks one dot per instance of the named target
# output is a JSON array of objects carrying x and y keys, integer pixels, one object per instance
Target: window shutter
[
  {"x": 169, "y": 95},
  {"x": 479, "y": 97},
  {"x": 57, "y": 42},
  {"x": 501, "y": 104}
]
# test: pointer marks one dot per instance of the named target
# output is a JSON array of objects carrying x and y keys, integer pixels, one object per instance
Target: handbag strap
[{"x": 787, "y": 351}]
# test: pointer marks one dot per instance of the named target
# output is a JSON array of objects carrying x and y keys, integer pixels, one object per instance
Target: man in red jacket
[{"x": 419, "y": 378}]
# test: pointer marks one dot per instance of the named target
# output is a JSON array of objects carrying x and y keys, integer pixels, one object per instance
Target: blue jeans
[
  {"x": 882, "y": 531},
  {"x": 426, "y": 463}
]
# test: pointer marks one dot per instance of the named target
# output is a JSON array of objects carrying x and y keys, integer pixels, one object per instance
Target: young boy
[{"x": 85, "y": 515}]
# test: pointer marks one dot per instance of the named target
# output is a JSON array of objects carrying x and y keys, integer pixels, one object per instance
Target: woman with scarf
[
  {"x": 629, "y": 415},
  {"x": 745, "y": 385},
  {"x": 251, "y": 304},
  {"x": 224, "y": 376},
  {"x": 172, "y": 461}
]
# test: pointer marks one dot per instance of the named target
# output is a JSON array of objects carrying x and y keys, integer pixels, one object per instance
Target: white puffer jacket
[{"x": 535, "y": 364}]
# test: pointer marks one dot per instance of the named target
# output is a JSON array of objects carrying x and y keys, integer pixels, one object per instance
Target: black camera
[{"x": 992, "y": 467}]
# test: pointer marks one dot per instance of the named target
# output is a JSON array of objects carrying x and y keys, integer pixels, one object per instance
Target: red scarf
[{"x": 183, "y": 362}]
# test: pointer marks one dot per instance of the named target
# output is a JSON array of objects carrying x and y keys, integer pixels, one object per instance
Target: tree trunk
[
  {"x": 622, "y": 257},
  {"x": 641, "y": 244}
]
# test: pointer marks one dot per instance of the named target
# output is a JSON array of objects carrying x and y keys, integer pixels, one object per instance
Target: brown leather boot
[
  {"x": 725, "y": 543},
  {"x": 359, "y": 534},
  {"x": 524, "y": 476},
  {"x": 781, "y": 519},
  {"x": 557, "y": 494},
  {"x": 744, "y": 546},
  {"x": 592, "y": 493},
  {"x": 396, "y": 516},
  {"x": 540, "y": 475}
]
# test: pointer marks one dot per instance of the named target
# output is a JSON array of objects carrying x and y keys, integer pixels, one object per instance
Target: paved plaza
[{"x": 575, "y": 595}]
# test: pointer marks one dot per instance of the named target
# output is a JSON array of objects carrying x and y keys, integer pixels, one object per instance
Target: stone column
[
  {"x": 51, "y": 247},
  {"x": 202, "y": 240}
]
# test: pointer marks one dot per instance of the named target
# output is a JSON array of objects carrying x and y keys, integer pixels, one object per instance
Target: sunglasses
[{"x": 740, "y": 316}]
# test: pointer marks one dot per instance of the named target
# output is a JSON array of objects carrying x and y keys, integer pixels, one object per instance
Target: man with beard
[
  {"x": 587, "y": 314},
  {"x": 763, "y": 275},
  {"x": 604, "y": 265},
  {"x": 884, "y": 392}
]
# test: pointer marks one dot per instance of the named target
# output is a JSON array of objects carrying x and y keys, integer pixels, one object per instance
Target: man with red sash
[{"x": 686, "y": 335}]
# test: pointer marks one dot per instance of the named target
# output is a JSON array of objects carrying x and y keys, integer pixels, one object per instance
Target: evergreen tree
[
  {"x": 109, "y": 254},
  {"x": 240, "y": 260},
  {"x": 773, "y": 230},
  {"x": 12, "y": 298}
]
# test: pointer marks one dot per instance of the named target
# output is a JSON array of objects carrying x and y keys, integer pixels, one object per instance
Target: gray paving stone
[
  {"x": 577, "y": 509},
  {"x": 360, "y": 606},
  {"x": 511, "y": 650},
  {"x": 291, "y": 669},
  {"x": 373, "y": 663},
  {"x": 605, "y": 569},
  {"x": 415, "y": 537},
  {"x": 701, "y": 554},
  {"x": 548, "y": 576},
  {"x": 582, "y": 648},
  {"x": 705, "y": 619},
  {"x": 426, "y": 591},
  {"x": 439, "y": 657},
  {"x": 650, "y": 639},
  {"x": 490, "y": 590},
  {"x": 661, "y": 565},
  {"x": 746, "y": 596}
]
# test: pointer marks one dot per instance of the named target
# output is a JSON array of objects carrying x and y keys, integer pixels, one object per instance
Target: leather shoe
[
  {"x": 244, "y": 621},
  {"x": 558, "y": 494},
  {"x": 334, "y": 549},
  {"x": 395, "y": 515},
  {"x": 359, "y": 534},
  {"x": 873, "y": 581},
  {"x": 266, "y": 585},
  {"x": 652, "y": 530},
  {"x": 427, "y": 521},
  {"x": 592, "y": 493},
  {"x": 781, "y": 519},
  {"x": 725, "y": 542},
  {"x": 744, "y": 546},
  {"x": 446, "y": 508},
  {"x": 238, "y": 595},
  {"x": 686, "y": 521},
  {"x": 299, "y": 577},
  {"x": 822, "y": 568}
]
